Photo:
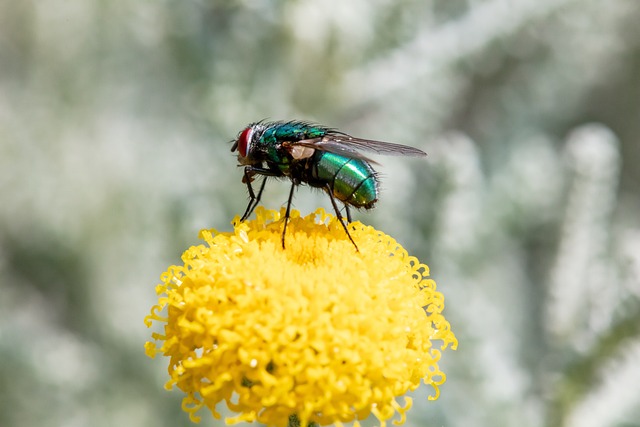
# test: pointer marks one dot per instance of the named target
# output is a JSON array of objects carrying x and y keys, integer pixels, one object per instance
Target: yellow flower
[{"x": 318, "y": 332}]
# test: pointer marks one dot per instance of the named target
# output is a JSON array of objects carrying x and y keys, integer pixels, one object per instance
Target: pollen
[{"x": 316, "y": 332}]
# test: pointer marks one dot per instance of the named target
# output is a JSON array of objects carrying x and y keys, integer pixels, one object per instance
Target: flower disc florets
[{"x": 317, "y": 330}]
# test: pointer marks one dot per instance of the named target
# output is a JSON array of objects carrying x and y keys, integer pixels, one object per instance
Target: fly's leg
[
  {"x": 288, "y": 212},
  {"x": 253, "y": 199},
  {"x": 339, "y": 215},
  {"x": 349, "y": 219},
  {"x": 249, "y": 173}
]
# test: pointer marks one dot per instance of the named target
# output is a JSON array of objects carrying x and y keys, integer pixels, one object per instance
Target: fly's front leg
[
  {"x": 253, "y": 199},
  {"x": 249, "y": 173}
]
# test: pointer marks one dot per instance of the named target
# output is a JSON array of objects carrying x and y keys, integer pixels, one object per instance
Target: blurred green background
[{"x": 115, "y": 118}]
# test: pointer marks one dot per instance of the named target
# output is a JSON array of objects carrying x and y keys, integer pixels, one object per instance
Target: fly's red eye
[{"x": 245, "y": 141}]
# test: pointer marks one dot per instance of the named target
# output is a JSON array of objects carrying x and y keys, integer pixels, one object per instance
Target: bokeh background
[{"x": 115, "y": 122}]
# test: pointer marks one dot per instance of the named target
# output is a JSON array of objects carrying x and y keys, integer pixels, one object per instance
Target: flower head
[{"x": 318, "y": 331}]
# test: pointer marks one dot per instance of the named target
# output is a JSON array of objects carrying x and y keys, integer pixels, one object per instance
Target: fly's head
[{"x": 249, "y": 152}]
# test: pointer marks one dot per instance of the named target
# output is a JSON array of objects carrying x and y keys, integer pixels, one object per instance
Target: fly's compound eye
[{"x": 244, "y": 141}]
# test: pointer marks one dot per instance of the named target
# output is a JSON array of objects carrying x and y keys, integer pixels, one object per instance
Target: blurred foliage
[{"x": 114, "y": 123}]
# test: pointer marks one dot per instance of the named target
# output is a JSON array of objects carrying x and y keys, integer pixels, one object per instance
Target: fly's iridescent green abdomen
[
  {"x": 314, "y": 155},
  {"x": 352, "y": 181}
]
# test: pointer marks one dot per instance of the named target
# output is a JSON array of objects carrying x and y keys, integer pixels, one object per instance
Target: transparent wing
[{"x": 349, "y": 146}]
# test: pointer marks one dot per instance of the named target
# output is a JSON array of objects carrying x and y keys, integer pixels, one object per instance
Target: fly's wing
[{"x": 351, "y": 147}]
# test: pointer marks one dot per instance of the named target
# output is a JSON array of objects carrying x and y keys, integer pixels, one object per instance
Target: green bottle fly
[{"x": 315, "y": 155}]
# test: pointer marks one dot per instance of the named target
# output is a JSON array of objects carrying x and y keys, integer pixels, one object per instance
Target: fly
[{"x": 315, "y": 155}]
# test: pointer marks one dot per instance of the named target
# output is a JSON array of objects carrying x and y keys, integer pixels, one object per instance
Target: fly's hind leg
[{"x": 339, "y": 215}]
